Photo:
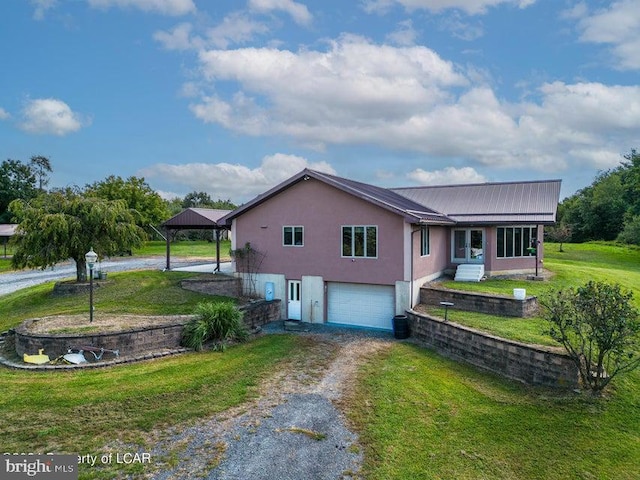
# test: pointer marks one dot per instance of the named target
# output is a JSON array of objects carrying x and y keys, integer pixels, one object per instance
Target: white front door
[{"x": 294, "y": 305}]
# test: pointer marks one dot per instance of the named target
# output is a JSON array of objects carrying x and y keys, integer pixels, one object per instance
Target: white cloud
[
  {"x": 164, "y": 7},
  {"x": 225, "y": 180},
  {"x": 298, "y": 11},
  {"x": 471, "y": 7},
  {"x": 324, "y": 96},
  {"x": 178, "y": 38},
  {"x": 4, "y": 115},
  {"x": 446, "y": 176},
  {"x": 405, "y": 34},
  {"x": 460, "y": 28},
  {"x": 50, "y": 116},
  {"x": 41, "y": 8},
  {"x": 236, "y": 28},
  {"x": 409, "y": 98},
  {"x": 618, "y": 26}
]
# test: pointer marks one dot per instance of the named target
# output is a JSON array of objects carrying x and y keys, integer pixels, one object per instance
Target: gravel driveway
[{"x": 293, "y": 430}]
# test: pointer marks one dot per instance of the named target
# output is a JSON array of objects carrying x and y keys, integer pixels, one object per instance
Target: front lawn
[
  {"x": 144, "y": 292},
  {"x": 79, "y": 412},
  {"x": 421, "y": 416}
]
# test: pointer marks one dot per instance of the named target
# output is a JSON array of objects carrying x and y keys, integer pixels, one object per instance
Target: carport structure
[
  {"x": 7, "y": 230},
  {"x": 196, "y": 219}
]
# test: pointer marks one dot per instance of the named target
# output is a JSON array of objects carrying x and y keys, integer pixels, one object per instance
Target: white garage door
[{"x": 361, "y": 305}]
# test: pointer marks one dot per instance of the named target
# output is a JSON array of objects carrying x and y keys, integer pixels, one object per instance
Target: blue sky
[{"x": 232, "y": 97}]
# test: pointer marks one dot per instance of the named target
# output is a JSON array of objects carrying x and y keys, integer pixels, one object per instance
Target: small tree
[
  {"x": 599, "y": 328},
  {"x": 248, "y": 261},
  {"x": 63, "y": 224},
  {"x": 560, "y": 233}
]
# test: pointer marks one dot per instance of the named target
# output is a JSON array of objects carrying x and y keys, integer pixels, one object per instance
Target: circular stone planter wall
[{"x": 129, "y": 342}]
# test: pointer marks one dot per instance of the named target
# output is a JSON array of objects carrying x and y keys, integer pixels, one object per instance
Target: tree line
[
  {"x": 608, "y": 209},
  {"x": 27, "y": 180},
  {"x": 113, "y": 215}
]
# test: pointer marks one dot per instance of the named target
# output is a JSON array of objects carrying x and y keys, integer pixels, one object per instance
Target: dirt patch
[{"x": 100, "y": 324}]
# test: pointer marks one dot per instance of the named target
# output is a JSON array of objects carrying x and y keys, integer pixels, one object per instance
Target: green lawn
[
  {"x": 421, "y": 416},
  {"x": 185, "y": 249},
  {"x": 142, "y": 292},
  {"x": 578, "y": 264},
  {"x": 83, "y": 411}
]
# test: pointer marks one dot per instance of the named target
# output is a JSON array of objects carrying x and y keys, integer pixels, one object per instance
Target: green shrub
[{"x": 219, "y": 323}]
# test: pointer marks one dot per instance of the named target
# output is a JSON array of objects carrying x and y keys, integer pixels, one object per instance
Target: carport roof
[
  {"x": 196, "y": 219},
  {"x": 8, "y": 229}
]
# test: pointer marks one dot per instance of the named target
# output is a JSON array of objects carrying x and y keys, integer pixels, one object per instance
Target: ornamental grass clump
[{"x": 219, "y": 323}]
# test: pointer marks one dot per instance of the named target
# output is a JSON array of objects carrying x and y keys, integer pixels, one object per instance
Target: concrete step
[{"x": 469, "y": 272}]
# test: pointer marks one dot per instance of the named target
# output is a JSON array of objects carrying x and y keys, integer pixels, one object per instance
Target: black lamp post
[{"x": 90, "y": 257}]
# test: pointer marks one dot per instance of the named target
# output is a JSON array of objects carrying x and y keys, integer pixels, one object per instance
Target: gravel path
[{"x": 293, "y": 430}]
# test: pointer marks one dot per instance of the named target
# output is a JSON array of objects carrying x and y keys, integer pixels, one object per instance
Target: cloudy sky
[{"x": 232, "y": 97}]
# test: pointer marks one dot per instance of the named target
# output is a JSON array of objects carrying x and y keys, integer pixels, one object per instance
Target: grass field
[
  {"x": 143, "y": 292},
  {"x": 419, "y": 415},
  {"x": 83, "y": 411},
  {"x": 578, "y": 264}
]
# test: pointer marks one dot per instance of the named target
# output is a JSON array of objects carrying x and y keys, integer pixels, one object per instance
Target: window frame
[
  {"x": 293, "y": 229},
  {"x": 354, "y": 233},
  {"x": 511, "y": 241},
  {"x": 425, "y": 241}
]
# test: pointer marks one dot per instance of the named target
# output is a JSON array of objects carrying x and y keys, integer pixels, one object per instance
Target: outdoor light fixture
[{"x": 90, "y": 257}]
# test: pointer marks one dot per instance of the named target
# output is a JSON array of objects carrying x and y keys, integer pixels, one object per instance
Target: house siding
[
  {"x": 322, "y": 210},
  {"x": 498, "y": 266}
]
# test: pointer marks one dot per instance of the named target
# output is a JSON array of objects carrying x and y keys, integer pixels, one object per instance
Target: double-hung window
[
  {"x": 360, "y": 241},
  {"x": 424, "y": 241},
  {"x": 513, "y": 242},
  {"x": 293, "y": 236}
]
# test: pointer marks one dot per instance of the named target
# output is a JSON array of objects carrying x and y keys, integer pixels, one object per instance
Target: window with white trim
[
  {"x": 360, "y": 241},
  {"x": 512, "y": 242},
  {"x": 425, "y": 248},
  {"x": 293, "y": 236}
]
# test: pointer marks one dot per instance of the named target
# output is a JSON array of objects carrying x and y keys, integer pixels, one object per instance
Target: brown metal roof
[
  {"x": 196, "y": 218},
  {"x": 413, "y": 212},
  {"x": 513, "y": 202}
]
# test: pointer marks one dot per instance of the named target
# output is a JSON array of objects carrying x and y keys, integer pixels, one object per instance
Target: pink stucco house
[{"x": 346, "y": 252}]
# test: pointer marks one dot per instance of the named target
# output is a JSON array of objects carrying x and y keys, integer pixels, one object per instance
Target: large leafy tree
[
  {"x": 204, "y": 200},
  {"x": 17, "y": 181},
  {"x": 607, "y": 207},
  {"x": 64, "y": 224},
  {"x": 599, "y": 328},
  {"x": 145, "y": 203}
]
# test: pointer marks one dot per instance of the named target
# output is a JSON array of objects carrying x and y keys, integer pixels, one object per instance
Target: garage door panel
[{"x": 361, "y": 305}]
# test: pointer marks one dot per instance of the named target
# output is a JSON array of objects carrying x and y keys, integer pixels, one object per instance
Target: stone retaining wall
[
  {"x": 261, "y": 312},
  {"x": 129, "y": 342},
  {"x": 531, "y": 364},
  {"x": 133, "y": 342},
  {"x": 218, "y": 284},
  {"x": 480, "y": 302}
]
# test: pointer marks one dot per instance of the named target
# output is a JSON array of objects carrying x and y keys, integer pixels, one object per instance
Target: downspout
[{"x": 411, "y": 279}]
